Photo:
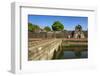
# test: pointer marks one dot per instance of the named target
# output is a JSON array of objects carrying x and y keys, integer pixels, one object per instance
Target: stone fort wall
[{"x": 68, "y": 34}]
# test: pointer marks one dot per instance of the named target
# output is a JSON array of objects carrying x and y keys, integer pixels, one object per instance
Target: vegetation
[
  {"x": 47, "y": 28},
  {"x": 32, "y": 27},
  {"x": 36, "y": 27},
  {"x": 78, "y": 27},
  {"x": 57, "y": 26}
]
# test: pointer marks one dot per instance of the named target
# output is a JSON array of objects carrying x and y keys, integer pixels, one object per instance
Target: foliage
[
  {"x": 36, "y": 27},
  {"x": 32, "y": 27},
  {"x": 57, "y": 26},
  {"x": 47, "y": 28},
  {"x": 78, "y": 27}
]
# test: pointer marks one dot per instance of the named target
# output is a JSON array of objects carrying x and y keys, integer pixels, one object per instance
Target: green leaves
[
  {"x": 57, "y": 26},
  {"x": 36, "y": 27},
  {"x": 32, "y": 27},
  {"x": 47, "y": 28},
  {"x": 78, "y": 27}
]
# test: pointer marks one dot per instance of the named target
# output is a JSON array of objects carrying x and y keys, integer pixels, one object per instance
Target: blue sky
[{"x": 69, "y": 22}]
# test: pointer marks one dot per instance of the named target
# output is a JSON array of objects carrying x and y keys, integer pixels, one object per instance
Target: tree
[
  {"x": 47, "y": 28},
  {"x": 33, "y": 27},
  {"x": 57, "y": 26},
  {"x": 30, "y": 27},
  {"x": 79, "y": 27}
]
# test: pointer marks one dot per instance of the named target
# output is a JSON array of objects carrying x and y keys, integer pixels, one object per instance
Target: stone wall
[{"x": 68, "y": 34}]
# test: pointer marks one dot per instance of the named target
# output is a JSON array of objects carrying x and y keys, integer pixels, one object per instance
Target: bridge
[{"x": 43, "y": 49}]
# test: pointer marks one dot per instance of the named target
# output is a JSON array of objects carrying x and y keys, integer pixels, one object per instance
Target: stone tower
[{"x": 78, "y": 32}]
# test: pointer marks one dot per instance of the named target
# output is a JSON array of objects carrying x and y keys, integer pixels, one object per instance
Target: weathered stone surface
[
  {"x": 78, "y": 32},
  {"x": 45, "y": 50}
]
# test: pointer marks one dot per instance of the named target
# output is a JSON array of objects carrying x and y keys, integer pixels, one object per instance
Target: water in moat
[{"x": 72, "y": 52}]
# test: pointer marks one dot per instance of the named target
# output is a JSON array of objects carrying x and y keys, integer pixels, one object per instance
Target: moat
[
  {"x": 73, "y": 50},
  {"x": 71, "y": 53}
]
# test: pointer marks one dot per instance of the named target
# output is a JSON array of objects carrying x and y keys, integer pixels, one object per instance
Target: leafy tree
[
  {"x": 36, "y": 27},
  {"x": 33, "y": 27},
  {"x": 47, "y": 28},
  {"x": 79, "y": 27},
  {"x": 57, "y": 26},
  {"x": 30, "y": 27}
]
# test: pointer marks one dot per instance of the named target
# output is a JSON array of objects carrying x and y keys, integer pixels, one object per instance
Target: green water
[{"x": 72, "y": 52}]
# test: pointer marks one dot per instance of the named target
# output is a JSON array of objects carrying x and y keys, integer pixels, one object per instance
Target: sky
[{"x": 69, "y": 22}]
